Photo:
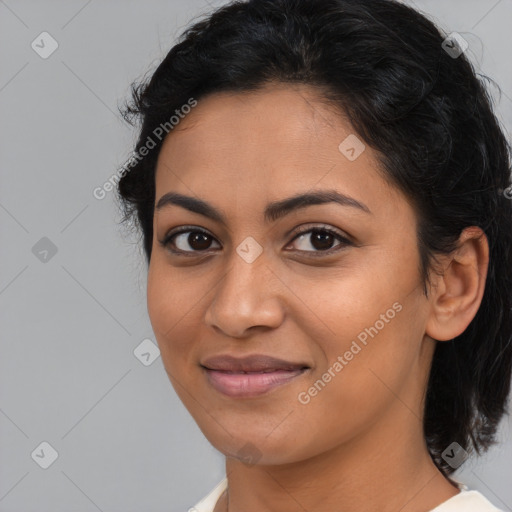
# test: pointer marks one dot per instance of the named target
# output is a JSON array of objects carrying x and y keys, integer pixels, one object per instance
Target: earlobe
[{"x": 459, "y": 289}]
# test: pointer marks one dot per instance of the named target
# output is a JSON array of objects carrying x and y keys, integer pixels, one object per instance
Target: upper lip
[{"x": 252, "y": 363}]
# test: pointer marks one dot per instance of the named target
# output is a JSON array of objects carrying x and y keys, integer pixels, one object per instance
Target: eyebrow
[{"x": 273, "y": 211}]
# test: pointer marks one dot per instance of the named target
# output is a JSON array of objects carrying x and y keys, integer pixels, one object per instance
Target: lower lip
[{"x": 250, "y": 384}]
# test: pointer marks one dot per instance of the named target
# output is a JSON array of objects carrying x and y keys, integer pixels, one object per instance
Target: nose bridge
[
  {"x": 244, "y": 297},
  {"x": 247, "y": 265}
]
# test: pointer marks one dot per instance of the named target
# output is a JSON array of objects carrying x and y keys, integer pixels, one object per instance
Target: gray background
[{"x": 71, "y": 323}]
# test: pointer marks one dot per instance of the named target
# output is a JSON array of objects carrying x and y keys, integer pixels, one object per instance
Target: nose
[{"x": 248, "y": 297}]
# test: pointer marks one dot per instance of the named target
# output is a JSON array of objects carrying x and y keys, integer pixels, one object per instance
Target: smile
[{"x": 241, "y": 384}]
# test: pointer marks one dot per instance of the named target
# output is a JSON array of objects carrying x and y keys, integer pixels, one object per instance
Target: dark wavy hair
[{"x": 427, "y": 114}]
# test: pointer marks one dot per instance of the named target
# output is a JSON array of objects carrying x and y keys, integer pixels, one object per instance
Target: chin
[{"x": 256, "y": 448}]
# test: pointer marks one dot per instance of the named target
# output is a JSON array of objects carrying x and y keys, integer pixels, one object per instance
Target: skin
[{"x": 358, "y": 444}]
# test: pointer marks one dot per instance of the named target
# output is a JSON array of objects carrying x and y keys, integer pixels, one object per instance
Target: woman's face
[{"x": 344, "y": 309}]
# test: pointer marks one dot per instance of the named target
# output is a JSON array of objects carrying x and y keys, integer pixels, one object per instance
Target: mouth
[{"x": 250, "y": 376}]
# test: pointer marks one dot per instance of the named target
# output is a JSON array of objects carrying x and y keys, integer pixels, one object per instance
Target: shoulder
[
  {"x": 467, "y": 501},
  {"x": 207, "y": 504}
]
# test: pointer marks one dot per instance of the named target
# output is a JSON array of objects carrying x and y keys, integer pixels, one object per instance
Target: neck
[{"x": 386, "y": 468}]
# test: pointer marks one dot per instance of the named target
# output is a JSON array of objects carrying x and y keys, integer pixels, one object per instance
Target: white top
[{"x": 465, "y": 501}]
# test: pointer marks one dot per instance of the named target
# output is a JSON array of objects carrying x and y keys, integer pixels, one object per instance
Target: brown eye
[
  {"x": 188, "y": 241},
  {"x": 320, "y": 239},
  {"x": 198, "y": 241}
]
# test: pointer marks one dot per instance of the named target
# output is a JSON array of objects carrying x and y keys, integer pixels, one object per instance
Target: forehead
[
  {"x": 264, "y": 124},
  {"x": 264, "y": 145}
]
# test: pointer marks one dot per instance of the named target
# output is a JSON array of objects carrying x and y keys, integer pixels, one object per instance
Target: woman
[{"x": 322, "y": 192}]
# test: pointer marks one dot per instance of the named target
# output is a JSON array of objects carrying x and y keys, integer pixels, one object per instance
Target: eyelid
[
  {"x": 344, "y": 238},
  {"x": 165, "y": 242},
  {"x": 312, "y": 226}
]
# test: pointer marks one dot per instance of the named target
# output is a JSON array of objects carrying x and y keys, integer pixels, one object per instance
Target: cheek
[
  {"x": 157, "y": 300},
  {"x": 367, "y": 326},
  {"x": 169, "y": 306},
  {"x": 354, "y": 304},
  {"x": 357, "y": 382}
]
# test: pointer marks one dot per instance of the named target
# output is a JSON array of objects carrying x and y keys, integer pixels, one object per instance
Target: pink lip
[
  {"x": 249, "y": 384},
  {"x": 252, "y": 363},
  {"x": 250, "y": 375}
]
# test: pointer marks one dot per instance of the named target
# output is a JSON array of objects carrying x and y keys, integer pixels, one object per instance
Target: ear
[{"x": 458, "y": 290}]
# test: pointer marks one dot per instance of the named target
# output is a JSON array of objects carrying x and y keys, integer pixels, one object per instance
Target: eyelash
[{"x": 166, "y": 242}]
